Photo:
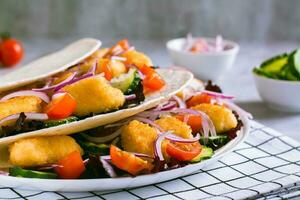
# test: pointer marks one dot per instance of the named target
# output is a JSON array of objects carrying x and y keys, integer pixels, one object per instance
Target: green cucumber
[
  {"x": 275, "y": 64},
  {"x": 51, "y": 123},
  {"x": 288, "y": 73},
  {"x": 214, "y": 142},
  {"x": 205, "y": 153},
  {"x": 25, "y": 173},
  {"x": 294, "y": 61},
  {"x": 128, "y": 82}
]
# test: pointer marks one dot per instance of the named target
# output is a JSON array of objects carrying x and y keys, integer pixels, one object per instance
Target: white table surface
[{"x": 238, "y": 81}]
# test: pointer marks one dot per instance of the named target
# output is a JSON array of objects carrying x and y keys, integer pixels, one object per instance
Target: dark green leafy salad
[{"x": 281, "y": 67}]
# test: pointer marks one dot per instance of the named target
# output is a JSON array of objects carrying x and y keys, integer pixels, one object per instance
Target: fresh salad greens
[{"x": 282, "y": 67}]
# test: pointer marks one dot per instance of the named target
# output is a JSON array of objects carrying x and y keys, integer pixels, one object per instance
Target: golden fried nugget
[
  {"x": 137, "y": 58},
  {"x": 178, "y": 127},
  {"x": 222, "y": 117},
  {"x": 37, "y": 151},
  {"x": 95, "y": 95},
  {"x": 138, "y": 137},
  {"x": 20, "y": 104}
]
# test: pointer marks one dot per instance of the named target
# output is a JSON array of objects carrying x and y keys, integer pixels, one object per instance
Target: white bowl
[
  {"x": 206, "y": 66},
  {"x": 279, "y": 94}
]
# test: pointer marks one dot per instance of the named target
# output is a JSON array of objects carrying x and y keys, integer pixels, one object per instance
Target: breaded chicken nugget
[
  {"x": 37, "y": 151},
  {"x": 95, "y": 95},
  {"x": 138, "y": 137},
  {"x": 222, "y": 117},
  {"x": 137, "y": 58},
  {"x": 178, "y": 127},
  {"x": 20, "y": 104}
]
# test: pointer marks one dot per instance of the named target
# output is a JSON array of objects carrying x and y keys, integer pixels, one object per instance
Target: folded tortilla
[{"x": 49, "y": 65}]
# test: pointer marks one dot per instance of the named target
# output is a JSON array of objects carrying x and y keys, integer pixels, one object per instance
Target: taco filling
[
  {"x": 186, "y": 129},
  {"x": 108, "y": 80}
]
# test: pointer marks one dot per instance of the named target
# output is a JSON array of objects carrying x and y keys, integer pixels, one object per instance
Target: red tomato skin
[{"x": 11, "y": 52}]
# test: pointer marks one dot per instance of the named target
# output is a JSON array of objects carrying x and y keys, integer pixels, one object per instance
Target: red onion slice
[
  {"x": 58, "y": 95},
  {"x": 41, "y": 95},
  {"x": 3, "y": 173},
  {"x": 29, "y": 116},
  {"x": 107, "y": 166},
  {"x": 176, "y": 138},
  {"x": 130, "y": 97},
  {"x": 141, "y": 155},
  {"x": 180, "y": 102},
  {"x": 217, "y": 95},
  {"x": 118, "y": 58},
  {"x": 48, "y": 166},
  {"x": 166, "y": 106},
  {"x": 157, "y": 145},
  {"x": 104, "y": 138},
  {"x": 59, "y": 85}
]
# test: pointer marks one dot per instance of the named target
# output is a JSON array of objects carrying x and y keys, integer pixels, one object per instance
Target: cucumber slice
[
  {"x": 275, "y": 64},
  {"x": 19, "y": 172},
  {"x": 214, "y": 142},
  {"x": 288, "y": 73},
  {"x": 294, "y": 61},
  {"x": 51, "y": 123},
  {"x": 127, "y": 82},
  {"x": 205, "y": 153}
]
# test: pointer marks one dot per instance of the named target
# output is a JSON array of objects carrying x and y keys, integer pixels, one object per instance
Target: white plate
[{"x": 120, "y": 183}]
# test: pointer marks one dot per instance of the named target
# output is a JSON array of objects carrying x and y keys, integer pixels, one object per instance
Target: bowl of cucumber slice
[{"x": 278, "y": 81}]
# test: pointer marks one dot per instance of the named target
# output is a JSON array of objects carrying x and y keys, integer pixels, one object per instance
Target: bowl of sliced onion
[{"x": 207, "y": 58}]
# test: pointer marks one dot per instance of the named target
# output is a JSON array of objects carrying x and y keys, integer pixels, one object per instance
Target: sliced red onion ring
[
  {"x": 130, "y": 97},
  {"x": 30, "y": 116},
  {"x": 59, "y": 85},
  {"x": 41, "y": 95},
  {"x": 49, "y": 166},
  {"x": 58, "y": 94},
  {"x": 157, "y": 145},
  {"x": 180, "y": 102},
  {"x": 176, "y": 138},
  {"x": 166, "y": 106},
  {"x": 118, "y": 58},
  {"x": 141, "y": 155},
  {"x": 74, "y": 80},
  {"x": 217, "y": 95},
  {"x": 238, "y": 109},
  {"x": 103, "y": 139},
  {"x": 148, "y": 121},
  {"x": 108, "y": 168}
]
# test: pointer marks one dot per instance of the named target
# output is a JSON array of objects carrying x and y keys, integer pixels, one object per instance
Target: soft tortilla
[
  {"x": 176, "y": 80},
  {"x": 50, "y": 64}
]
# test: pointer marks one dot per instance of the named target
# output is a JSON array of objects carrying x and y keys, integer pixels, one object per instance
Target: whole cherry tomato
[{"x": 11, "y": 52}]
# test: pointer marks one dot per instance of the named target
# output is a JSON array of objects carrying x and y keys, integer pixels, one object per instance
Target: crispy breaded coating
[
  {"x": 178, "y": 127},
  {"x": 117, "y": 67},
  {"x": 20, "y": 104},
  {"x": 222, "y": 117},
  {"x": 95, "y": 95},
  {"x": 41, "y": 150},
  {"x": 138, "y": 137},
  {"x": 137, "y": 58}
]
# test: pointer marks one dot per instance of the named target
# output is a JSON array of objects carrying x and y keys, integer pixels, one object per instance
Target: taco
[
  {"x": 81, "y": 87},
  {"x": 188, "y": 128}
]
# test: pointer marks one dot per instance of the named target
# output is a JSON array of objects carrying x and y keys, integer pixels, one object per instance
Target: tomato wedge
[
  {"x": 128, "y": 161},
  {"x": 153, "y": 82},
  {"x": 194, "y": 121},
  {"x": 198, "y": 99},
  {"x": 71, "y": 166},
  {"x": 61, "y": 107},
  {"x": 124, "y": 44},
  {"x": 183, "y": 151}
]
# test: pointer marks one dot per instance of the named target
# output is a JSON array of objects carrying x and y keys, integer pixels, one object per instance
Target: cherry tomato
[
  {"x": 71, "y": 166},
  {"x": 124, "y": 44},
  {"x": 194, "y": 121},
  {"x": 61, "y": 107},
  {"x": 128, "y": 161},
  {"x": 183, "y": 151},
  {"x": 198, "y": 99},
  {"x": 11, "y": 52},
  {"x": 153, "y": 82}
]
